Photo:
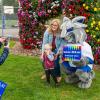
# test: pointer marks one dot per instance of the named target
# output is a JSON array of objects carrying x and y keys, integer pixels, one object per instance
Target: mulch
[
  {"x": 18, "y": 50},
  {"x": 96, "y": 67}
]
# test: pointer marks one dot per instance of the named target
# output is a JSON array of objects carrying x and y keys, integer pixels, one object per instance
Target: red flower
[{"x": 78, "y": 1}]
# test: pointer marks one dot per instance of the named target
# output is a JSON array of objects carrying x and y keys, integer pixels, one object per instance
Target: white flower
[{"x": 43, "y": 1}]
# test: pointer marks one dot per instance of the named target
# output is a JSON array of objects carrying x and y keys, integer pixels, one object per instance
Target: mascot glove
[{"x": 83, "y": 62}]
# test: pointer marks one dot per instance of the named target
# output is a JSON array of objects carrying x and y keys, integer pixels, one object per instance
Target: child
[{"x": 48, "y": 60}]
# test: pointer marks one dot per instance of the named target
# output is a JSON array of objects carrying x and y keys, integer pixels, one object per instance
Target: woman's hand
[
  {"x": 48, "y": 52},
  {"x": 7, "y": 46},
  {"x": 56, "y": 55}
]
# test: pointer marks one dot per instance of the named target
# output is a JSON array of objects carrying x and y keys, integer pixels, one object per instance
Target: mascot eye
[{"x": 68, "y": 36}]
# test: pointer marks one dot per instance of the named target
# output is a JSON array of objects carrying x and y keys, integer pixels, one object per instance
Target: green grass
[
  {"x": 12, "y": 43},
  {"x": 22, "y": 74}
]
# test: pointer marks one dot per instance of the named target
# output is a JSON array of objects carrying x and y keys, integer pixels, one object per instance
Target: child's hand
[
  {"x": 7, "y": 46},
  {"x": 56, "y": 55},
  {"x": 48, "y": 52}
]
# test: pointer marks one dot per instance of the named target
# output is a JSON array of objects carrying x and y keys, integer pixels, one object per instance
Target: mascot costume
[{"x": 76, "y": 54}]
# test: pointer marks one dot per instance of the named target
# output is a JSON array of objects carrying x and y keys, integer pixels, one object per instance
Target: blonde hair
[
  {"x": 47, "y": 46},
  {"x": 58, "y": 22}
]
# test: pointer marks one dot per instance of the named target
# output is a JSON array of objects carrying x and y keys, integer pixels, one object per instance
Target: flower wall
[{"x": 33, "y": 14}]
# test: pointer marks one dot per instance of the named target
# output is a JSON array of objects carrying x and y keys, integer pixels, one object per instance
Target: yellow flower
[
  {"x": 94, "y": 36},
  {"x": 87, "y": 31},
  {"x": 84, "y": 5},
  {"x": 94, "y": 22},
  {"x": 97, "y": 28},
  {"x": 99, "y": 23},
  {"x": 87, "y": 8},
  {"x": 98, "y": 40},
  {"x": 91, "y": 24},
  {"x": 95, "y": 9},
  {"x": 92, "y": 18}
]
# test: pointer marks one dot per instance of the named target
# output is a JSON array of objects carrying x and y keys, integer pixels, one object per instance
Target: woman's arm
[
  {"x": 60, "y": 49},
  {"x": 45, "y": 39}
]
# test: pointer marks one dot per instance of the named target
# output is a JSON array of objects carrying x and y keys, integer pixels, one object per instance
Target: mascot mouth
[{"x": 70, "y": 38}]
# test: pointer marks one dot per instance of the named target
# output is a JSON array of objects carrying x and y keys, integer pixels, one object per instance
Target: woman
[{"x": 52, "y": 36}]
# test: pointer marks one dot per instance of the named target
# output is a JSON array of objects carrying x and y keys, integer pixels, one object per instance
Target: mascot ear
[
  {"x": 78, "y": 22},
  {"x": 79, "y": 25},
  {"x": 79, "y": 19},
  {"x": 66, "y": 19},
  {"x": 64, "y": 25},
  {"x": 66, "y": 22}
]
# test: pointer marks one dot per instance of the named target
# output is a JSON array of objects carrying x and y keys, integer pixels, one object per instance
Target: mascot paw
[
  {"x": 77, "y": 63},
  {"x": 71, "y": 79},
  {"x": 85, "y": 85},
  {"x": 92, "y": 74}
]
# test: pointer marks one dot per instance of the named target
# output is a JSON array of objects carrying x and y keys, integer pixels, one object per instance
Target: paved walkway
[{"x": 13, "y": 33}]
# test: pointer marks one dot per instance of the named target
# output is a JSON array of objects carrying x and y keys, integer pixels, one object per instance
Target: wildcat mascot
[{"x": 77, "y": 71}]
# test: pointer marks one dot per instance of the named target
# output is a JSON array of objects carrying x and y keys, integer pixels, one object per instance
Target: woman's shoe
[
  {"x": 43, "y": 77},
  {"x": 59, "y": 79}
]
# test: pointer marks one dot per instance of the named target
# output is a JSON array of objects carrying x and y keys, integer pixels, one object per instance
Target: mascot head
[{"x": 73, "y": 30}]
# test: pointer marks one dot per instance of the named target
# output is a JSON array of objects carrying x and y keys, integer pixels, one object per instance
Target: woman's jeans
[{"x": 57, "y": 66}]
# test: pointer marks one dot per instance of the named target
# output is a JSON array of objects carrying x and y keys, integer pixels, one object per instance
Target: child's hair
[{"x": 47, "y": 46}]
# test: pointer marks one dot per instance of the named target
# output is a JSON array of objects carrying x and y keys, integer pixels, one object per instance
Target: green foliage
[
  {"x": 34, "y": 3},
  {"x": 12, "y": 43}
]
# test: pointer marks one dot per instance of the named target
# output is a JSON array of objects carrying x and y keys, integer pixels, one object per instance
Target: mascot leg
[
  {"x": 71, "y": 76},
  {"x": 64, "y": 69},
  {"x": 85, "y": 78}
]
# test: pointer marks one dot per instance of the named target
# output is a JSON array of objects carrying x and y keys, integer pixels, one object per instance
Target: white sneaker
[{"x": 43, "y": 77}]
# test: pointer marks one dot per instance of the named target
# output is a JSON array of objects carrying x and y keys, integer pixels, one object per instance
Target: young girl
[{"x": 48, "y": 60}]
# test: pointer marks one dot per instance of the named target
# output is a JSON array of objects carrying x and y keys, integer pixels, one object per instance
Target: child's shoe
[
  {"x": 59, "y": 79},
  {"x": 47, "y": 84}
]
